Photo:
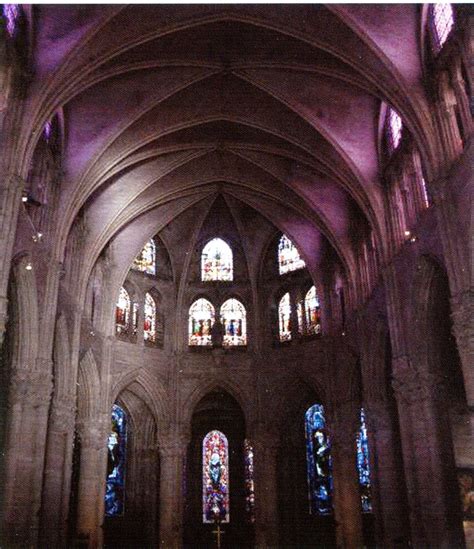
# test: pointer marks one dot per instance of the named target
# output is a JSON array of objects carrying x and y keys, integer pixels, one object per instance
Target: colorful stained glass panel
[
  {"x": 318, "y": 459},
  {"x": 201, "y": 320},
  {"x": 122, "y": 311},
  {"x": 284, "y": 318},
  {"x": 116, "y": 446},
  {"x": 288, "y": 256},
  {"x": 216, "y": 261},
  {"x": 363, "y": 465},
  {"x": 145, "y": 260},
  {"x": 149, "y": 321},
  {"x": 234, "y": 320},
  {"x": 249, "y": 481},
  {"x": 312, "y": 310},
  {"x": 215, "y": 478}
]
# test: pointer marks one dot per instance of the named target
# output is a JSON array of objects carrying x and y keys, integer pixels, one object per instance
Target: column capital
[
  {"x": 30, "y": 388},
  {"x": 63, "y": 414}
]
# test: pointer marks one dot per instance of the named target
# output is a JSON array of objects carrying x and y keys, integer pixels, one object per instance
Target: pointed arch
[
  {"x": 217, "y": 261},
  {"x": 215, "y": 478},
  {"x": 234, "y": 320},
  {"x": 201, "y": 319},
  {"x": 284, "y": 317}
]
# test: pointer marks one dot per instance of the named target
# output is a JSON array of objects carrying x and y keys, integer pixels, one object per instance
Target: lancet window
[
  {"x": 442, "y": 23},
  {"x": 312, "y": 312},
  {"x": 234, "y": 321},
  {"x": 116, "y": 456},
  {"x": 11, "y": 14},
  {"x": 216, "y": 261},
  {"x": 201, "y": 320},
  {"x": 284, "y": 318},
  {"x": 249, "y": 481},
  {"x": 149, "y": 321},
  {"x": 393, "y": 129},
  {"x": 215, "y": 478},
  {"x": 318, "y": 460},
  {"x": 363, "y": 465},
  {"x": 146, "y": 259},
  {"x": 122, "y": 312},
  {"x": 288, "y": 256}
]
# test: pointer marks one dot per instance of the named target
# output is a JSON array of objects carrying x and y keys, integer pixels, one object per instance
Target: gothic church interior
[{"x": 236, "y": 291}]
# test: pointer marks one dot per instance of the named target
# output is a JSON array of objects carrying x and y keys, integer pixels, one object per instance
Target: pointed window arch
[
  {"x": 149, "y": 321},
  {"x": 284, "y": 318},
  {"x": 146, "y": 259},
  {"x": 312, "y": 312},
  {"x": 215, "y": 478},
  {"x": 122, "y": 312},
  {"x": 234, "y": 320},
  {"x": 441, "y": 24},
  {"x": 116, "y": 457},
  {"x": 216, "y": 261},
  {"x": 318, "y": 460},
  {"x": 289, "y": 258},
  {"x": 201, "y": 320},
  {"x": 363, "y": 465}
]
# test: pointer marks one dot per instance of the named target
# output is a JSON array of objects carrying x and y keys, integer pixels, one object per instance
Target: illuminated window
[
  {"x": 393, "y": 129},
  {"x": 215, "y": 478},
  {"x": 149, "y": 321},
  {"x": 312, "y": 312},
  {"x": 442, "y": 23},
  {"x": 284, "y": 318},
  {"x": 318, "y": 461},
  {"x": 249, "y": 481},
  {"x": 363, "y": 465},
  {"x": 201, "y": 319},
  {"x": 288, "y": 256},
  {"x": 234, "y": 321},
  {"x": 216, "y": 261},
  {"x": 145, "y": 260},
  {"x": 122, "y": 312},
  {"x": 11, "y": 13},
  {"x": 116, "y": 446}
]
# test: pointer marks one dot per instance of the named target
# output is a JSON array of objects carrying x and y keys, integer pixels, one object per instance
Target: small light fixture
[
  {"x": 37, "y": 237},
  {"x": 24, "y": 198},
  {"x": 28, "y": 266},
  {"x": 407, "y": 233},
  {"x": 343, "y": 333},
  {"x": 413, "y": 238}
]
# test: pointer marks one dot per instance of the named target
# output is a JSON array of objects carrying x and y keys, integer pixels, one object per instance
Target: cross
[{"x": 218, "y": 532}]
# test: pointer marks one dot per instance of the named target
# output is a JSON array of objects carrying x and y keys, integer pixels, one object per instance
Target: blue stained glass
[
  {"x": 318, "y": 459},
  {"x": 215, "y": 478},
  {"x": 115, "y": 483},
  {"x": 363, "y": 465}
]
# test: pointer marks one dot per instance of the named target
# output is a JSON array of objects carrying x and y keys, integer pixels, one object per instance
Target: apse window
[
  {"x": 145, "y": 260},
  {"x": 393, "y": 129},
  {"x": 216, "y": 261},
  {"x": 442, "y": 23},
  {"x": 312, "y": 312},
  {"x": 116, "y": 448},
  {"x": 215, "y": 478},
  {"x": 234, "y": 322},
  {"x": 318, "y": 461},
  {"x": 201, "y": 320},
  {"x": 149, "y": 321},
  {"x": 284, "y": 318},
  {"x": 122, "y": 312},
  {"x": 288, "y": 256},
  {"x": 363, "y": 465}
]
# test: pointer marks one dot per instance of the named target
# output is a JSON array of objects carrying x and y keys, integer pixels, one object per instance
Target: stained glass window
[
  {"x": 318, "y": 459},
  {"x": 149, "y": 321},
  {"x": 11, "y": 13},
  {"x": 284, "y": 318},
  {"x": 234, "y": 320},
  {"x": 116, "y": 445},
  {"x": 122, "y": 311},
  {"x": 215, "y": 478},
  {"x": 363, "y": 465},
  {"x": 216, "y": 261},
  {"x": 299, "y": 314},
  {"x": 145, "y": 260},
  {"x": 201, "y": 319},
  {"x": 312, "y": 311},
  {"x": 394, "y": 128},
  {"x": 288, "y": 256},
  {"x": 442, "y": 23},
  {"x": 249, "y": 481}
]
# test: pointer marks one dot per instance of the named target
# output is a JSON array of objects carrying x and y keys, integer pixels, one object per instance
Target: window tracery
[
  {"x": 216, "y": 261},
  {"x": 234, "y": 320},
  {"x": 215, "y": 478},
  {"x": 146, "y": 259},
  {"x": 201, "y": 320},
  {"x": 116, "y": 456},
  {"x": 288, "y": 256}
]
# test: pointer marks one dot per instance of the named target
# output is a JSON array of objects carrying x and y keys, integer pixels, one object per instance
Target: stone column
[
  {"x": 92, "y": 476},
  {"x": 388, "y": 490},
  {"x": 435, "y": 512},
  {"x": 57, "y": 473},
  {"x": 172, "y": 449},
  {"x": 266, "y": 446},
  {"x": 343, "y": 426}
]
